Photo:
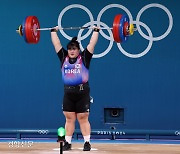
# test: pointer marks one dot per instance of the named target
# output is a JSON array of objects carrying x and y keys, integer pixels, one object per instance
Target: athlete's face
[{"x": 73, "y": 52}]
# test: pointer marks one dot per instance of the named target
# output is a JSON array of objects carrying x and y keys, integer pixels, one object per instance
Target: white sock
[
  {"x": 68, "y": 139},
  {"x": 87, "y": 138}
]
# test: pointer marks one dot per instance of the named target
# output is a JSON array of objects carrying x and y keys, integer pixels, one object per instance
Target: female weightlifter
[{"x": 75, "y": 74}]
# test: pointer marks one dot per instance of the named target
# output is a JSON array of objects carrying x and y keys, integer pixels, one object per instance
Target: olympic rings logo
[
  {"x": 43, "y": 132},
  {"x": 177, "y": 133},
  {"x": 138, "y": 23}
]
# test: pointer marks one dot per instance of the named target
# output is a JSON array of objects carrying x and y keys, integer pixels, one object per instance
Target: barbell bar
[
  {"x": 71, "y": 28},
  {"x": 30, "y": 29}
]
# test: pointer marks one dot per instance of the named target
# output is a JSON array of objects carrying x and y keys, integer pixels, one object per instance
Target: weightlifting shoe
[
  {"x": 87, "y": 146},
  {"x": 66, "y": 146}
]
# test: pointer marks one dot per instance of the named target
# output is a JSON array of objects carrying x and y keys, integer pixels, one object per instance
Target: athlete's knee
[
  {"x": 83, "y": 116},
  {"x": 70, "y": 116}
]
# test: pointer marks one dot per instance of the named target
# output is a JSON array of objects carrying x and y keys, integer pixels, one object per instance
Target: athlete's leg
[
  {"x": 85, "y": 129},
  {"x": 84, "y": 123},
  {"x": 70, "y": 124}
]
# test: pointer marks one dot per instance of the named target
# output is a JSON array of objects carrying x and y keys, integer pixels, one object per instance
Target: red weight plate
[
  {"x": 125, "y": 29},
  {"x": 32, "y": 24},
  {"x": 115, "y": 24},
  {"x": 23, "y": 29},
  {"x": 115, "y": 29},
  {"x": 26, "y": 30},
  {"x": 35, "y": 25},
  {"x": 29, "y": 30}
]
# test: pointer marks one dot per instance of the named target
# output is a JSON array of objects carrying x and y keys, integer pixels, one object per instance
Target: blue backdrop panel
[{"x": 141, "y": 76}]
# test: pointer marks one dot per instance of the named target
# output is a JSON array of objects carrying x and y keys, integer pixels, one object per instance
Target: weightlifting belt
[{"x": 80, "y": 87}]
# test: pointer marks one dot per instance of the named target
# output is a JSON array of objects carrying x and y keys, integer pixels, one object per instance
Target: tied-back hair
[{"x": 73, "y": 43}]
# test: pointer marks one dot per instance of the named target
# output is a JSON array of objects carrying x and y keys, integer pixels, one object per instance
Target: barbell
[{"x": 30, "y": 29}]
